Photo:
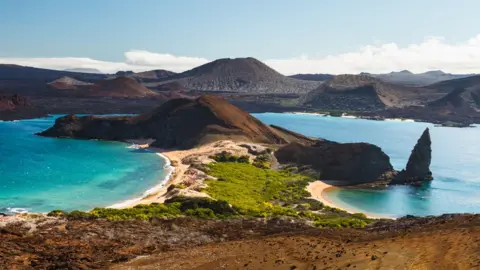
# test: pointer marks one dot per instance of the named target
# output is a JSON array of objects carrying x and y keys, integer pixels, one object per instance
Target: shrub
[
  {"x": 200, "y": 213},
  {"x": 57, "y": 213},
  {"x": 174, "y": 186},
  {"x": 224, "y": 156}
]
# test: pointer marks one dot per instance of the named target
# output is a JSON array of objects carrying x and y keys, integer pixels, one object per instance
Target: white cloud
[
  {"x": 168, "y": 61},
  {"x": 135, "y": 60},
  {"x": 431, "y": 54}
]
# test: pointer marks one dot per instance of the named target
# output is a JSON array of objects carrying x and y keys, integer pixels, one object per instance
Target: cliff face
[
  {"x": 354, "y": 163},
  {"x": 418, "y": 166},
  {"x": 178, "y": 123}
]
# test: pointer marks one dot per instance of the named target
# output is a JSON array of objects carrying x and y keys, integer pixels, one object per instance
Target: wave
[
  {"x": 15, "y": 210},
  {"x": 168, "y": 166},
  {"x": 400, "y": 120}
]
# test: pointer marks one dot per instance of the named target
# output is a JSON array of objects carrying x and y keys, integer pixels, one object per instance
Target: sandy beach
[
  {"x": 182, "y": 173},
  {"x": 317, "y": 190}
]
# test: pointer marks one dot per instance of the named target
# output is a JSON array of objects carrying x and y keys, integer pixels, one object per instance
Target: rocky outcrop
[
  {"x": 359, "y": 163},
  {"x": 418, "y": 166},
  {"x": 13, "y": 102},
  {"x": 178, "y": 123},
  {"x": 353, "y": 163}
]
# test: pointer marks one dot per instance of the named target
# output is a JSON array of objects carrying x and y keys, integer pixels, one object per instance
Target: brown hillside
[
  {"x": 120, "y": 87},
  {"x": 182, "y": 123}
]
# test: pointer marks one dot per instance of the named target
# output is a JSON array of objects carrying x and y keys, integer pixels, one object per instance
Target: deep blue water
[
  {"x": 42, "y": 174},
  {"x": 455, "y": 163}
]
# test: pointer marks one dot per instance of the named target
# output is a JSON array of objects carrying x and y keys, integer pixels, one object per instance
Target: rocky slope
[
  {"x": 364, "y": 93},
  {"x": 182, "y": 123},
  {"x": 244, "y": 75}
]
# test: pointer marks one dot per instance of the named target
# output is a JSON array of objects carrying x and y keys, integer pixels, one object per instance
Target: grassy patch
[
  {"x": 259, "y": 192},
  {"x": 253, "y": 190}
]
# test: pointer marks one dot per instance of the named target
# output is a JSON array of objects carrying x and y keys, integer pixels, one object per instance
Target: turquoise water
[
  {"x": 455, "y": 163},
  {"x": 41, "y": 174}
]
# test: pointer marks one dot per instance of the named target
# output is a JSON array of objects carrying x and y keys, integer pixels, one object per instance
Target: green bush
[
  {"x": 57, "y": 213},
  {"x": 224, "y": 156},
  {"x": 174, "y": 186},
  {"x": 204, "y": 213}
]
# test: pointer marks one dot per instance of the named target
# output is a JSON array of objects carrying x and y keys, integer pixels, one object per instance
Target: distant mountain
[
  {"x": 31, "y": 74},
  {"x": 470, "y": 83},
  {"x": 124, "y": 73},
  {"x": 312, "y": 77},
  {"x": 408, "y": 78},
  {"x": 158, "y": 74},
  {"x": 365, "y": 93},
  {"x": 84, "y": 70},
  {"x": 67, "y": 83},
  {"x": 243, "y": 75}
]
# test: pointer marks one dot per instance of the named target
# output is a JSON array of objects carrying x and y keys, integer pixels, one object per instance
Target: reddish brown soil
[
  {"x": 120, "y": 87},
  {"x": 446, "y": 242},
  {"x": 444, "y": 246}
]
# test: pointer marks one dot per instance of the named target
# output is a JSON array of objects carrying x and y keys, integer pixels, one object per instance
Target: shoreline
[
  {"x": 157, "y": 192},
  {"x": 318, "y": 189}
]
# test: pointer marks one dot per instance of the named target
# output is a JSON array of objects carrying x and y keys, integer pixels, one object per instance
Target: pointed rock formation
[{"x": 418, "y": 166}]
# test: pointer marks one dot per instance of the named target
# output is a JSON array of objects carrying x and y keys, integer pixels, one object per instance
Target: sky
[{"x": 302, "y": 36}]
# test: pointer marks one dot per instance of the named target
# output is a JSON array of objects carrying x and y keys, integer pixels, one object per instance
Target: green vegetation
[
  {"x": 179, "y": 206},
  {"x": 241, "y": 190},
  {"x": 258, "y": 192},
  {"x": 227, "y": 157}
]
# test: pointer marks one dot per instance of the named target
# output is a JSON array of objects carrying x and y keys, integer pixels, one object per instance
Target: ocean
[
  {"x": 39, "y": 174},
  {"x": 455, "y": 163}
]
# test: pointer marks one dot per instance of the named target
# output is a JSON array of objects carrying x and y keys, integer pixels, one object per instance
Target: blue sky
[{"x": 105, "y": 30}]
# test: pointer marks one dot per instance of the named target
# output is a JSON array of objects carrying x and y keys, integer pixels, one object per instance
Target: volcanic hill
[
  {"x": 120, "y": 87},
  {"x": 179, "y": 123},
  {"x": 67, "y": 83},
  {"x": 364, "y": 93},
  {"x": 245, "y": 75}
]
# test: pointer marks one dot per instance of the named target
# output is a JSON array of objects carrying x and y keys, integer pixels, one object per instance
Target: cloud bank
[{"x": 434, "y": 53}]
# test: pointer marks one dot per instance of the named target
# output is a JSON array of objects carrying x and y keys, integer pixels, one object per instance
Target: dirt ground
[
  {"x": 443, "y": 242},
  {"x": 443, "y": 249}
]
